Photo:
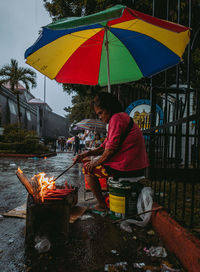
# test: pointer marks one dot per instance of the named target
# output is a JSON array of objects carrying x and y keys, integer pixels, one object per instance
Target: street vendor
[{"x": 122, "y": 154}]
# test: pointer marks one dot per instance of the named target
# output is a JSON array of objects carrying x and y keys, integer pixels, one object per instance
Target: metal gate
[{"x": 173, "y": 145}]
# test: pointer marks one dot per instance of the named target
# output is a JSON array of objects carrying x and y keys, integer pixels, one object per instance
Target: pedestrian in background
[
  {"x": 62, "y": 144},
  {"x": 76, "y": 144},
  {"x": 82, "y": 142},
  {"x": 59, "y": 143},
  {"x": 69, "y": 146}
]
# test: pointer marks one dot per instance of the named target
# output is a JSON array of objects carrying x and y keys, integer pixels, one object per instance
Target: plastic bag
[
  {"x": 157, "y": 252},
  {"x": 165, "y": 268},
  {"x": 42, "y": 244},
  {"x": 125, "y": 226},
  {"x": 144, "y": 203}
]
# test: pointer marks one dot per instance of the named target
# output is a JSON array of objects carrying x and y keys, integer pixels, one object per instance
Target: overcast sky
[{"x": 20, "y": 21}]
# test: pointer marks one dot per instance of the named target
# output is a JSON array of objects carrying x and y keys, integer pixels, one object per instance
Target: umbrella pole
[{"x": 107, "y": 54}]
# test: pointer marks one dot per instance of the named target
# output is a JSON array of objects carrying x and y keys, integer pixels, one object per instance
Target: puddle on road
[{"x": 52, "y": 166}]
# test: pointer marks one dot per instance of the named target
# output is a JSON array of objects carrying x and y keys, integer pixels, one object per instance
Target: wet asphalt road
[{"x": 93, "y": 242}]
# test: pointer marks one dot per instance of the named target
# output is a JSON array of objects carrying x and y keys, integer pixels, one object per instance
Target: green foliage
[
  {"x": 63, "y": 8},
  {"x": 81, "y": 101},
  {"x": 81, "y": 109},
  {"x": 10, "y": 128},
  {"x": 13, "y": 134},
  {"x": 23, "y": 148},
  {"x": 60, "y": 8},
  {"x": 20, "y": 141}
]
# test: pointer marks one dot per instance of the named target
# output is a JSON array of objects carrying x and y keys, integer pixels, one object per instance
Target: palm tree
[{"x": 12, "y": 73}]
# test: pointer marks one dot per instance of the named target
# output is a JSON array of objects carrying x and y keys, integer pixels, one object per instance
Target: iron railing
[{"x": 174, "y": 153}]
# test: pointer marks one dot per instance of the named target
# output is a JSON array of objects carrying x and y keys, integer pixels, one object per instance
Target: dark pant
[{"x": 123, "y": 174}]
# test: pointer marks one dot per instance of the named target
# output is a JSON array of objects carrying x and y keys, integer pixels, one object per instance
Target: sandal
[{"x": 96, "y": 210}]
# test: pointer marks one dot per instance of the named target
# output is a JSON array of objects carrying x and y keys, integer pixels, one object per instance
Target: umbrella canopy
[
  {"x": 77, "y": 128},
  {"x": 70, "y": 140},
  {"x": 114, "y": 46},
  {"x": 91, "y": 124}
]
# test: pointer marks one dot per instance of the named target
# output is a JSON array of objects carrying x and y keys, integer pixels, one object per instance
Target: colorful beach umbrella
[
  {"x": 114, "y": 46},
  {"x": 91, "y": 124}
]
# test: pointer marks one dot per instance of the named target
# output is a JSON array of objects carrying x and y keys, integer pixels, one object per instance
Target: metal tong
[{"x": 65, "y": 171}]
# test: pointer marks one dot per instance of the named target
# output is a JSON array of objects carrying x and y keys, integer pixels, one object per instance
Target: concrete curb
[{"x": 178, "y": 240}]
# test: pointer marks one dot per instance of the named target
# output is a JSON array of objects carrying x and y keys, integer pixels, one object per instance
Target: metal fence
[
  {"x": 173, "y": 141},
  {"x": 173, "y": 146}
]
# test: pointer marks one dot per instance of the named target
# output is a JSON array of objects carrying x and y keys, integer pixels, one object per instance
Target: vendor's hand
[
  {"x": 79, "y": 157},
  {"x": 89, "y": 166}
]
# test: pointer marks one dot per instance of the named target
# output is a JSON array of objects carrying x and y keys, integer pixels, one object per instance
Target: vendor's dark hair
[{"x": 108, "y": 102}]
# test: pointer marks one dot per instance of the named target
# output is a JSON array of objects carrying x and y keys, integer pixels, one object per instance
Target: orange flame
[
  {"x": 19, "y": 170},
  {"x": 45, "y": 183}
]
